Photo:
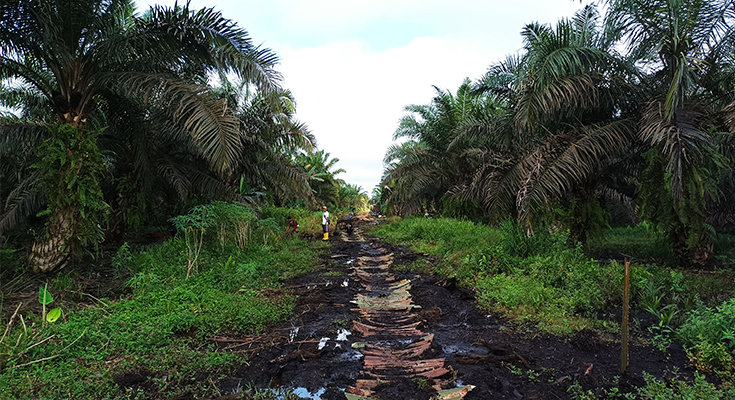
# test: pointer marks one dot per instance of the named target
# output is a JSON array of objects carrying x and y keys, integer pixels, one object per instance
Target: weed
[
  {"x": 700, "y": 389},
  {"x": 533, "y": 376},
  {"x": 712, "y": 358},
  {"x": 421, "y": 382},
  {"x": 577, "y": 393},
  {"x": 122, "y": 258},
  {"x": 513, "y": 369}
]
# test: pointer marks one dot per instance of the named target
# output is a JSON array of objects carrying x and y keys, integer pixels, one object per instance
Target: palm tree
[
  {"x": 271, "y": 136},
  {"x": 352, "y": 196},
  {"x": 566, "y": 116},
  {"x": 683, "y": 47},
  {"x": 83, "y": 56},
  {"x": 422, "y": 169},
  {"x": 319, "y": 167}
]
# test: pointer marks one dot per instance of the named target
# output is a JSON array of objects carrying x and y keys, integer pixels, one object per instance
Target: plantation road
[{"x": 366, "y": 327}]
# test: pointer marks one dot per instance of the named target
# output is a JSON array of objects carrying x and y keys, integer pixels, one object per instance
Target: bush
[
  {"x": 713, "y": 326},
  {"x": 680, "y": 390}
]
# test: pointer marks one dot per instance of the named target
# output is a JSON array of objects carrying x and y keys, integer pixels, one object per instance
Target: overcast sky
[{"x": 353, "y": 66}]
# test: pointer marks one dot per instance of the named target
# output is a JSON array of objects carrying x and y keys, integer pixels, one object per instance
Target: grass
[
  {"x": 641, "y": 242},
  {"x": 161, "y": 326},
  {"x": 541, "y": 282}
]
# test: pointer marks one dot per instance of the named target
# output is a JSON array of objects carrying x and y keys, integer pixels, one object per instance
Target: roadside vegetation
[{"x": 162, "y": 326}]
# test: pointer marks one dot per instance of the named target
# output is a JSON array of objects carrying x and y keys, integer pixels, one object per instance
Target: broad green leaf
[
  {"x": 44, "y": 297},
  {"x": 53, "y": 315}
]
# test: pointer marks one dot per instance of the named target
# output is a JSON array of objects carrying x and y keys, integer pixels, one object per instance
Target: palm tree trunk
[
  {"x": 700, "y": 256},
  {"x": 52, "y": 252}
]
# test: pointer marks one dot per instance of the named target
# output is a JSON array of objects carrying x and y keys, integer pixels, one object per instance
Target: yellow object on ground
[{"x": 326, "y": 236}]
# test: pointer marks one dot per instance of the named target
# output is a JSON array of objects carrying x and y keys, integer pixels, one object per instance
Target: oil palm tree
[
  {"x": 319, "y": 166},
  {"x": 427, "y": 165},
  {"x": 271, "y": 136},
  {"x": 684, "y": 46},
  {"x": 83, "y": 56},
  {"x": 566, "y": 116}
]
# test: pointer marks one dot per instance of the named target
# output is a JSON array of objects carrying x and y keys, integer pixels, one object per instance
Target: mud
[{"x": 502, "y": 361}]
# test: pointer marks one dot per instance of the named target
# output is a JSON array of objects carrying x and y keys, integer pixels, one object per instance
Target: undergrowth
[
  {"x": 163, "y": 327},
  {"x": 539, "y": 280}
]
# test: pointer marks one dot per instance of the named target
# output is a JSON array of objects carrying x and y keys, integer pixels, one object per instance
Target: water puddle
[
  {"x": 304, "y": 393},
  {"x": 464, "y": 350}
]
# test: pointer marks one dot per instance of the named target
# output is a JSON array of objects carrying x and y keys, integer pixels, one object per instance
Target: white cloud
[{"x": 352, "y": 98}]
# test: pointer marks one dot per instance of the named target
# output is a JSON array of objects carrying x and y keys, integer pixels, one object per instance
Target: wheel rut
[{"x": 393, "y": 346}]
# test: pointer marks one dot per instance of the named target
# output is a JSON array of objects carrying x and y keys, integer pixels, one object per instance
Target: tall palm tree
[
  {"x": 82, "y": 56},
  {"x": 683, "y": 46},
  {"x": 320, "y": 168},
  {"x": 566, "y": 117},
  {"x": 271, "y": 136},
  {"x": 422, "y": 169}
]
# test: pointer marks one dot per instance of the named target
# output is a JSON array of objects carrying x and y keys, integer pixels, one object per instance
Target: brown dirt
[{"x": 501, "y": 360}]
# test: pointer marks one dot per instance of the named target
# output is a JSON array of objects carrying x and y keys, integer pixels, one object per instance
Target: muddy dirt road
[{"x": 363, "y": 330}]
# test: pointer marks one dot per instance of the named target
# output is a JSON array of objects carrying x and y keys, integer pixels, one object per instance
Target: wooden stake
[{"x": 624, "y": 325}]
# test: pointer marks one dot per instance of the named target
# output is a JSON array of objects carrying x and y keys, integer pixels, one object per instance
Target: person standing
[{"x": 325, "y": 222}]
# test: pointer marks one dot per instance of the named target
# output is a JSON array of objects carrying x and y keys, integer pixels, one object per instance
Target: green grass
[
  {"x": 161, "y": 327},
  {"x": 641, "y": 242},
  {"x": 538, "y": 280}
]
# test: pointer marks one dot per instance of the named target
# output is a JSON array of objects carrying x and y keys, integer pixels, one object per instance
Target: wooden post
[{"x": 624, "y": 325}]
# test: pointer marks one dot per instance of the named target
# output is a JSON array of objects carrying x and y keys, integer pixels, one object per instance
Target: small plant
[
  {"x": 122, "y": 258},
  {"x": 651, "y": 297},
  {"x": 700, "y": 389},
  {"x": 712, "y": 358},
  {"x": 421, "y": 382},
  {"x": 44, "y": 297},
  {"x": 577, "y": 393},
  {"x": 533, "y": 376},
  {"x": 513, "y": 369}
]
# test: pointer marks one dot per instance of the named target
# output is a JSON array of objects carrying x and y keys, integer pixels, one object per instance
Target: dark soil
[{"x": 502, "y": 361}]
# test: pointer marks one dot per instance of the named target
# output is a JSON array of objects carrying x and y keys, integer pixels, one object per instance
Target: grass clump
[
  {"x": 532, "y": 279},
  {"x": 162, "y": 326}
]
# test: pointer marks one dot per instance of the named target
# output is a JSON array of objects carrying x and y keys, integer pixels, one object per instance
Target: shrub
[
  {"x": 700, "y": 389},
  {"x": 709, "y": 325}
]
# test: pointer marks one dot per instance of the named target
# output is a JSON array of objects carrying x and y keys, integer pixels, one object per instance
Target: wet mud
[{"x": 330, "y": 345}]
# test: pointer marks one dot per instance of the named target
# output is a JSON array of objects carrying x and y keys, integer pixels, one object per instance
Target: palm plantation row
[
  {"x": 119, "y": 117},
  {"x": 625, "y": 116}
]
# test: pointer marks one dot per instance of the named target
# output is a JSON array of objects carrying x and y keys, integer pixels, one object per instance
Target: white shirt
[{"x": 325, "y": 217}]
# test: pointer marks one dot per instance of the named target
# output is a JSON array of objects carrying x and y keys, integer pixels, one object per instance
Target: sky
[{"x": 353, "y": 66}]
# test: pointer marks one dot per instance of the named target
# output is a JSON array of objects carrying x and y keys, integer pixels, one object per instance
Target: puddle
[
  {"x": 350, "y": 356},
  {"x": 464, "y": 350},
  {"x": 304, "y": 393},
  {"x": 292, "y": 334},
  {"x": 342, "y": 335}
]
